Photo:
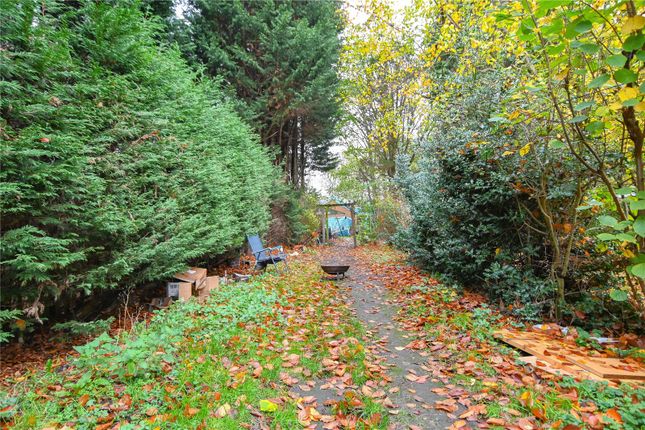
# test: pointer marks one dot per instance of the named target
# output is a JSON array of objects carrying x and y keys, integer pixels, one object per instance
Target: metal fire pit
[{"x": 336, "y": 271}]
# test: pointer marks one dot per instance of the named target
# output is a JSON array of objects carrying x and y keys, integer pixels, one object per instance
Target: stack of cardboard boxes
[{"x": 194, "y": 282}]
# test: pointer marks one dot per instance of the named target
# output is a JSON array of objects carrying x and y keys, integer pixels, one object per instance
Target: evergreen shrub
[{"x": 120, "y": 164}]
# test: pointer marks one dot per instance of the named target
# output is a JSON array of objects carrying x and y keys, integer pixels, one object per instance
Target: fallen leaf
[
  {"x": 614, "y": 415},
  {"x": 268, "y": 406},
  {"x": 189, "y": 412},
  {"x": 223, "y": 410}
]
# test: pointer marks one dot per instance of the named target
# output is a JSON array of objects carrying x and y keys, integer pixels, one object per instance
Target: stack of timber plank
[{"x": 554, "y": 355}]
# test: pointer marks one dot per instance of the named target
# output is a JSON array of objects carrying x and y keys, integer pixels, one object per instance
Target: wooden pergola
[{"x": 325, "y": 218}]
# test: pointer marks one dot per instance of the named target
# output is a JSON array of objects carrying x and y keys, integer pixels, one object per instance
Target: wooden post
[
  {"x": 326, "y": 224},
  {"x": 322, "y": 226},
  {"x": 353, "y": 229}
]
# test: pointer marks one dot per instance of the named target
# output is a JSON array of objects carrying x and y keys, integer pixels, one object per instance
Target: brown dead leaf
[
  {"x": 496, "y": 422},
  {"x": 538, "y": 412},
  {"x": 474, "y": 411},
  {"x": 223, "y": 410},
  {"x": 189, "y": 412},
  {"x": 448, "y": 405},
  {"x": 614, "y": 415}
]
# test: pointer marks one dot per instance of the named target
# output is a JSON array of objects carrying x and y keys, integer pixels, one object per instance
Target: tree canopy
[
  {"x": 533, "y": 108},
  {"x": 278, "y": 58}
]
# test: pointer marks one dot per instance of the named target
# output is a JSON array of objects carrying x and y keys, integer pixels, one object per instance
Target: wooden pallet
[
  {"x": 610, "y": 368},
  {"x": 571, "y": 370},
  {"x": 557, "y": 357}
]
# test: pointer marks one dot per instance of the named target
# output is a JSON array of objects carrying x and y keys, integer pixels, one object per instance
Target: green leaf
[
  {"x": 625, "y": 76},
  {"x": 638, "y": 258},
  {"x": 641, "y": 55},
  {"x": 268, "y": 406},
  {"x": 630, "y": 102},
  {"x": 607, "y": 220},
  {"x": 555, "y": 49},
  {"x": 626, "y": 237},
  {"x": 557, "y": 144},
  {"x": 598, "y": 81},
  {"x": 583, "y": 105},
  {"x": 618, "y": 295},
  {"x": 622, "y": 225},
  {"x": 634, "y": 42},
  {"x": 582, "y": 26},
  {"x": 551, "y": 4},
  {"x": 595, "y": 127},
  {"x": 624, "y": 191},
  {"x": 639, "y": 270},
  {"x": 637, "y": 205},
  {"x": 639, "y": 226},
  {"x": 589, "y": 48},
  {"x": 606, "y": 236},
  {"x": 555, "y": 27},
  {"x": 617, "y": 61},
  {"x": 577, "y": 119}
]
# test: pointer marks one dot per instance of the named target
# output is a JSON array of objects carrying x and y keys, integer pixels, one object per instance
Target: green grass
[
  {"x": 191, "y": 360},
  {"x": 494, "y": 410}
]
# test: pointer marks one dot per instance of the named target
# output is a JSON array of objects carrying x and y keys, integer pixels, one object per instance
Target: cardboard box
[
  {"x": 172, "y": 289},
  {"x": 185, "y": 291},
  {"x": 195, "y": 275},
  {"x": 211, "y": 283}
]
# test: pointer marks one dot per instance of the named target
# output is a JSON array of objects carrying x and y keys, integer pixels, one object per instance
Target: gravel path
[{"x": 411, "y": 385}]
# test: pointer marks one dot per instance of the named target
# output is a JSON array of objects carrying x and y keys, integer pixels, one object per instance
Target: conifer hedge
[{"x": 119, "y": 164}]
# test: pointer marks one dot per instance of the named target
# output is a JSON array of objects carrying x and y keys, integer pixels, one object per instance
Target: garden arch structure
[{"x": 324, "y": 219}]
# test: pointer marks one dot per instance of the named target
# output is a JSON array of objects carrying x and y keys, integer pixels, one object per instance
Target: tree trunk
[
  {"x": 293, "y": 145},
  {"x": 303, "y": 158}
]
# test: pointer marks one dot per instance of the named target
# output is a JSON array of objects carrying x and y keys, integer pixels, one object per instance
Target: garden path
[{"x": 410, "y": 388}]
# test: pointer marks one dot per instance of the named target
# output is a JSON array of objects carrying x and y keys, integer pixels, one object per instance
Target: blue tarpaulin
[{"x": 339, "y": 226}]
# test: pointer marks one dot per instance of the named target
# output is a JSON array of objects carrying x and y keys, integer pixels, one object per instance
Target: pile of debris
[
  {"x": 193, "y": 282},
  {"x": 551, "y": 349}
]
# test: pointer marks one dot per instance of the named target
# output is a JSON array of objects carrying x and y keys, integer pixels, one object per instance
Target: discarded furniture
[{"x": 265, "y": 256}]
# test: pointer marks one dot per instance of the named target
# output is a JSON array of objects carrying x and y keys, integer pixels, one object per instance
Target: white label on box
[{"x": 172, "y": 289}]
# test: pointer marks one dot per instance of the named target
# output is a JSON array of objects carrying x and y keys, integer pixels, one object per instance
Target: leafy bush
[
  {"x": 301, "y": 215},
  {"x": 461, "y": 205},
  {"x": 120, "y": 164},
  {"x": 465, "y": 219},
  {"x": 293, "y": 216},
  {"x": 6, "y": 316},
  {"x": 80, "y": 328},
  {"x": 494, "y": 206},
  {"x": 527, "y": 294}
]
